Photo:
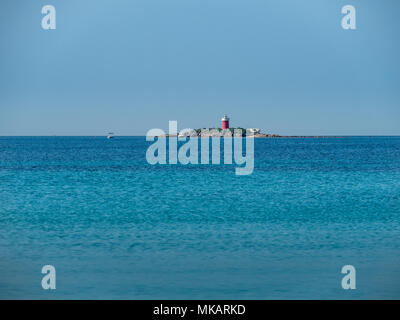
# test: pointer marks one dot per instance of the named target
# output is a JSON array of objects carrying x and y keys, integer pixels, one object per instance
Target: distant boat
[{"x": 110, "y": 135}]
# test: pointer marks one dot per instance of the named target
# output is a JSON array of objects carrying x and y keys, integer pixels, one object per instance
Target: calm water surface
[{"x": 116, "y": 227}]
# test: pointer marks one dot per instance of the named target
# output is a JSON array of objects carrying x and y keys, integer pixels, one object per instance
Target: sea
[{"x": 116, "y": 227}]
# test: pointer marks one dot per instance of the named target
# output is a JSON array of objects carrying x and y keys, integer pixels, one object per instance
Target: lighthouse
[{"x": 225, "y": 122}]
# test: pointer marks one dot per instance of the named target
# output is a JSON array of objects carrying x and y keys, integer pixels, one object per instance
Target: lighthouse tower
[{"x": 225, "y": 122}]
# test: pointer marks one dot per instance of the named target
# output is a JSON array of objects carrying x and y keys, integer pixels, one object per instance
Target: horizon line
[{"x": 282, "y": 136}]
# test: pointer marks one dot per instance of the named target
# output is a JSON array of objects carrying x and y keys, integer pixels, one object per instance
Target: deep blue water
[{"x": 116, "y": 227}]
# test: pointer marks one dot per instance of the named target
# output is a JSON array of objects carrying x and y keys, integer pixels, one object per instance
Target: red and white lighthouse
[{"x": 225, "y": 122}]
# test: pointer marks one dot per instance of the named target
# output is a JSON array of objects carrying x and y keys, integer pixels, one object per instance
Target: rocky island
[
  {"x": 227, "y": 131},
  {"x": 219, "y": 132}
]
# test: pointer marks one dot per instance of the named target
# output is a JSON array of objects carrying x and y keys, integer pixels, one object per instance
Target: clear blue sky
[{"x": 285, "y": 66}]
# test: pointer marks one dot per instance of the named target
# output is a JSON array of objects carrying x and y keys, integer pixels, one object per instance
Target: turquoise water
[{"x": 116, "y": 227}]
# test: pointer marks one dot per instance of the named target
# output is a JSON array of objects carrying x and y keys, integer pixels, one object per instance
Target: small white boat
[{"x": 110, "y": 135}]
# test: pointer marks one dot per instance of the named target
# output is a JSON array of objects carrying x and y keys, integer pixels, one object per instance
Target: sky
[{"x": 127, "y": 66}]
